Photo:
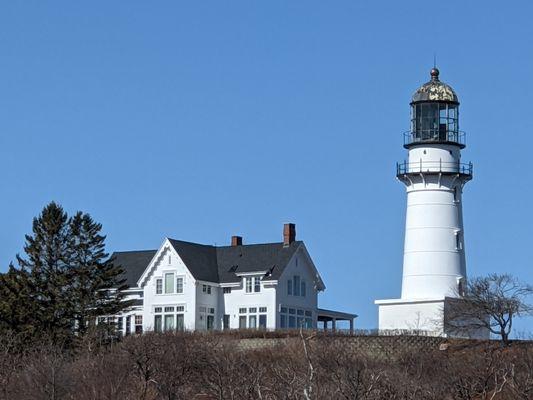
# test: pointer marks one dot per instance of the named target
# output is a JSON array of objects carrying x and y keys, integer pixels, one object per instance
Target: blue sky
[{"x": 200, "y": 120}]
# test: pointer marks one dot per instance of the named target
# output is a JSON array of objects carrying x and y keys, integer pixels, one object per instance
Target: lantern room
[{"x": 434, "y": 114}]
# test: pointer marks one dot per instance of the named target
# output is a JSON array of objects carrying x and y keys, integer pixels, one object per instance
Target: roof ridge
[{"x": 133, "y": 251}]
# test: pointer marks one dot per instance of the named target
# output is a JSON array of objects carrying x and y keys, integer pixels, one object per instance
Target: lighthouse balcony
[
  {"x": 434, "y": 167},
  {"x": 434, "y": 136}
]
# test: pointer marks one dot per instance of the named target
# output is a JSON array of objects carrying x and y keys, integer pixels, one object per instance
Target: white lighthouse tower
[{"x": 434, "y": 268}]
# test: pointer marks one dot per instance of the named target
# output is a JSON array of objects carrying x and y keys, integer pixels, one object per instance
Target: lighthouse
[{"x": 434, "y": 175}]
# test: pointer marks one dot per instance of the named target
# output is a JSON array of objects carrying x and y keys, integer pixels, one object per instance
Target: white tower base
[{"x": 424, "y": 316}]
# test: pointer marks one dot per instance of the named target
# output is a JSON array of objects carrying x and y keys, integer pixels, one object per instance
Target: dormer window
[{"x": 252, "y": 284}]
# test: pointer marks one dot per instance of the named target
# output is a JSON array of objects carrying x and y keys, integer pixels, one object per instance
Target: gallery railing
[{"x": 434, "y": 167}]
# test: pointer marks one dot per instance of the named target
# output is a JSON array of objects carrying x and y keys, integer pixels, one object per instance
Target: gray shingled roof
[
  {"x": 133, "y": 262},
  {"x": 271, "y": 257},
  {"x": 214, "y": 264},
  {"x": 220, "y": 264}
]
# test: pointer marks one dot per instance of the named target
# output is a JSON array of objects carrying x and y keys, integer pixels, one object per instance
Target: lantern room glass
[{"x": 433, "y": 121}]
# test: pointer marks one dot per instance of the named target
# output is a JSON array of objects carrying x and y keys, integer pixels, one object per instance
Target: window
[
  {"x": 289, "y": 287},
  {"x": 252, "y": 321},
  {"x": 138, "y": 324},
  {"x": 180, "y": 324},
  {"x": 225, "y": 321},
  {"x": 242, "y": 310},
  {"x": 252, "y": 310},
  {"x": 295, "y": 318},
  {"x": 262, "y": 321},
  {"x": 211, "y": 311},
  {"x": 158, "y": 325},
  {"x": 169, "y": 283},
  {"x": 458, "y": 244},
  {"x": 169, "y": 259},
  {"x": 227, "y": 290},
  {"x": 210, "y": 322},
  {"x": 292, "y": 321},
  {"x": 169, "y": 318},
  {"x": 120, "y": 322},
  {"x": 257, "y": 284},
  {"x": 296, "y": 282},
  {"x": 128, "y": 325},
  {"x": 262, "y": 309},
  {"x": 302, "y": 289},
  {"x": 169, "y": 322},
  {"x": 206, "y": 289},
  {"x": 248, "y": 285},
  {"x": 159, "y": 286},
  {"x": 179, "y": 285},
  {"x": 242, "y": 322}
]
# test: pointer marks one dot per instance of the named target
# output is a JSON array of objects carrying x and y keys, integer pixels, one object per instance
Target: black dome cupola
[{"x": 434, "y": 114}]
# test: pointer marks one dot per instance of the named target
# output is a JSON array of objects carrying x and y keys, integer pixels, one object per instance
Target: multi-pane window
[
  {"x": 302, "y": 289},
  {"x": 138, "y": 324},
  {"x": 169, "y": 283},
  {"x": 293, "y": 318},
  {"x": 227, "y": 290},
  {"x": 169, "y": 318},
  {"x": 179, "y": 284},
  {"x": 207, "y": 317},
  {"x": 289, "y": 287},
  {"x": 253, "y": 319},
  {"x": 248, "y": 285},
  {"x": 257, "y": 284},
  {"x": 206, "y": 289},
  {"x": 159, "y": 286}
]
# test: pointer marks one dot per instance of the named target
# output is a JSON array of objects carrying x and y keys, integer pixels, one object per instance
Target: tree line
[{"x": 62, "y": 282}]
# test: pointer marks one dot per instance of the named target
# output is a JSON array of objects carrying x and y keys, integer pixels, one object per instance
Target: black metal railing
[
  {"x": 434, "y": 136},
  {"x": 434, "y": 166}
]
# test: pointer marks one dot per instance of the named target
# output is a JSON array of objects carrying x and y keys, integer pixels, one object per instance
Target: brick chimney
[
  {"x": 236, "y": 240},
  {"x": 289, "y": 234}
]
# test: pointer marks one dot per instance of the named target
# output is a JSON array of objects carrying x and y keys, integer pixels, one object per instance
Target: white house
[{"x": 190, "y": 286}]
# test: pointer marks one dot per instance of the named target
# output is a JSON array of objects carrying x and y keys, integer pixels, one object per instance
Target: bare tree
[{"x": 489, "y": 303}]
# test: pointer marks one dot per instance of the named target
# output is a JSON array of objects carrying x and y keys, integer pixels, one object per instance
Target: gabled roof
[
  {"x": 214, "y": 264},
  {"x": 200, "y": 259},
  {"x": 222, "y": 264},
  {"x": 133, "y": 262}
]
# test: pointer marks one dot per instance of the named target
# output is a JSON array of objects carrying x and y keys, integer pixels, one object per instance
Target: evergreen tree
[
  {"x": 16, "y": 311},
  {"x": 97, "y": 284},
  {"x": 46, "y": 269},
  {"x": 64, "y": 281}
]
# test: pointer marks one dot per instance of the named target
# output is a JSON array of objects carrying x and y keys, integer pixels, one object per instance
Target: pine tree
[
  {"x": 46, "y": 269},
  {"x": 97, "y": 284},
  {"x": 16, "y": 310}
]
